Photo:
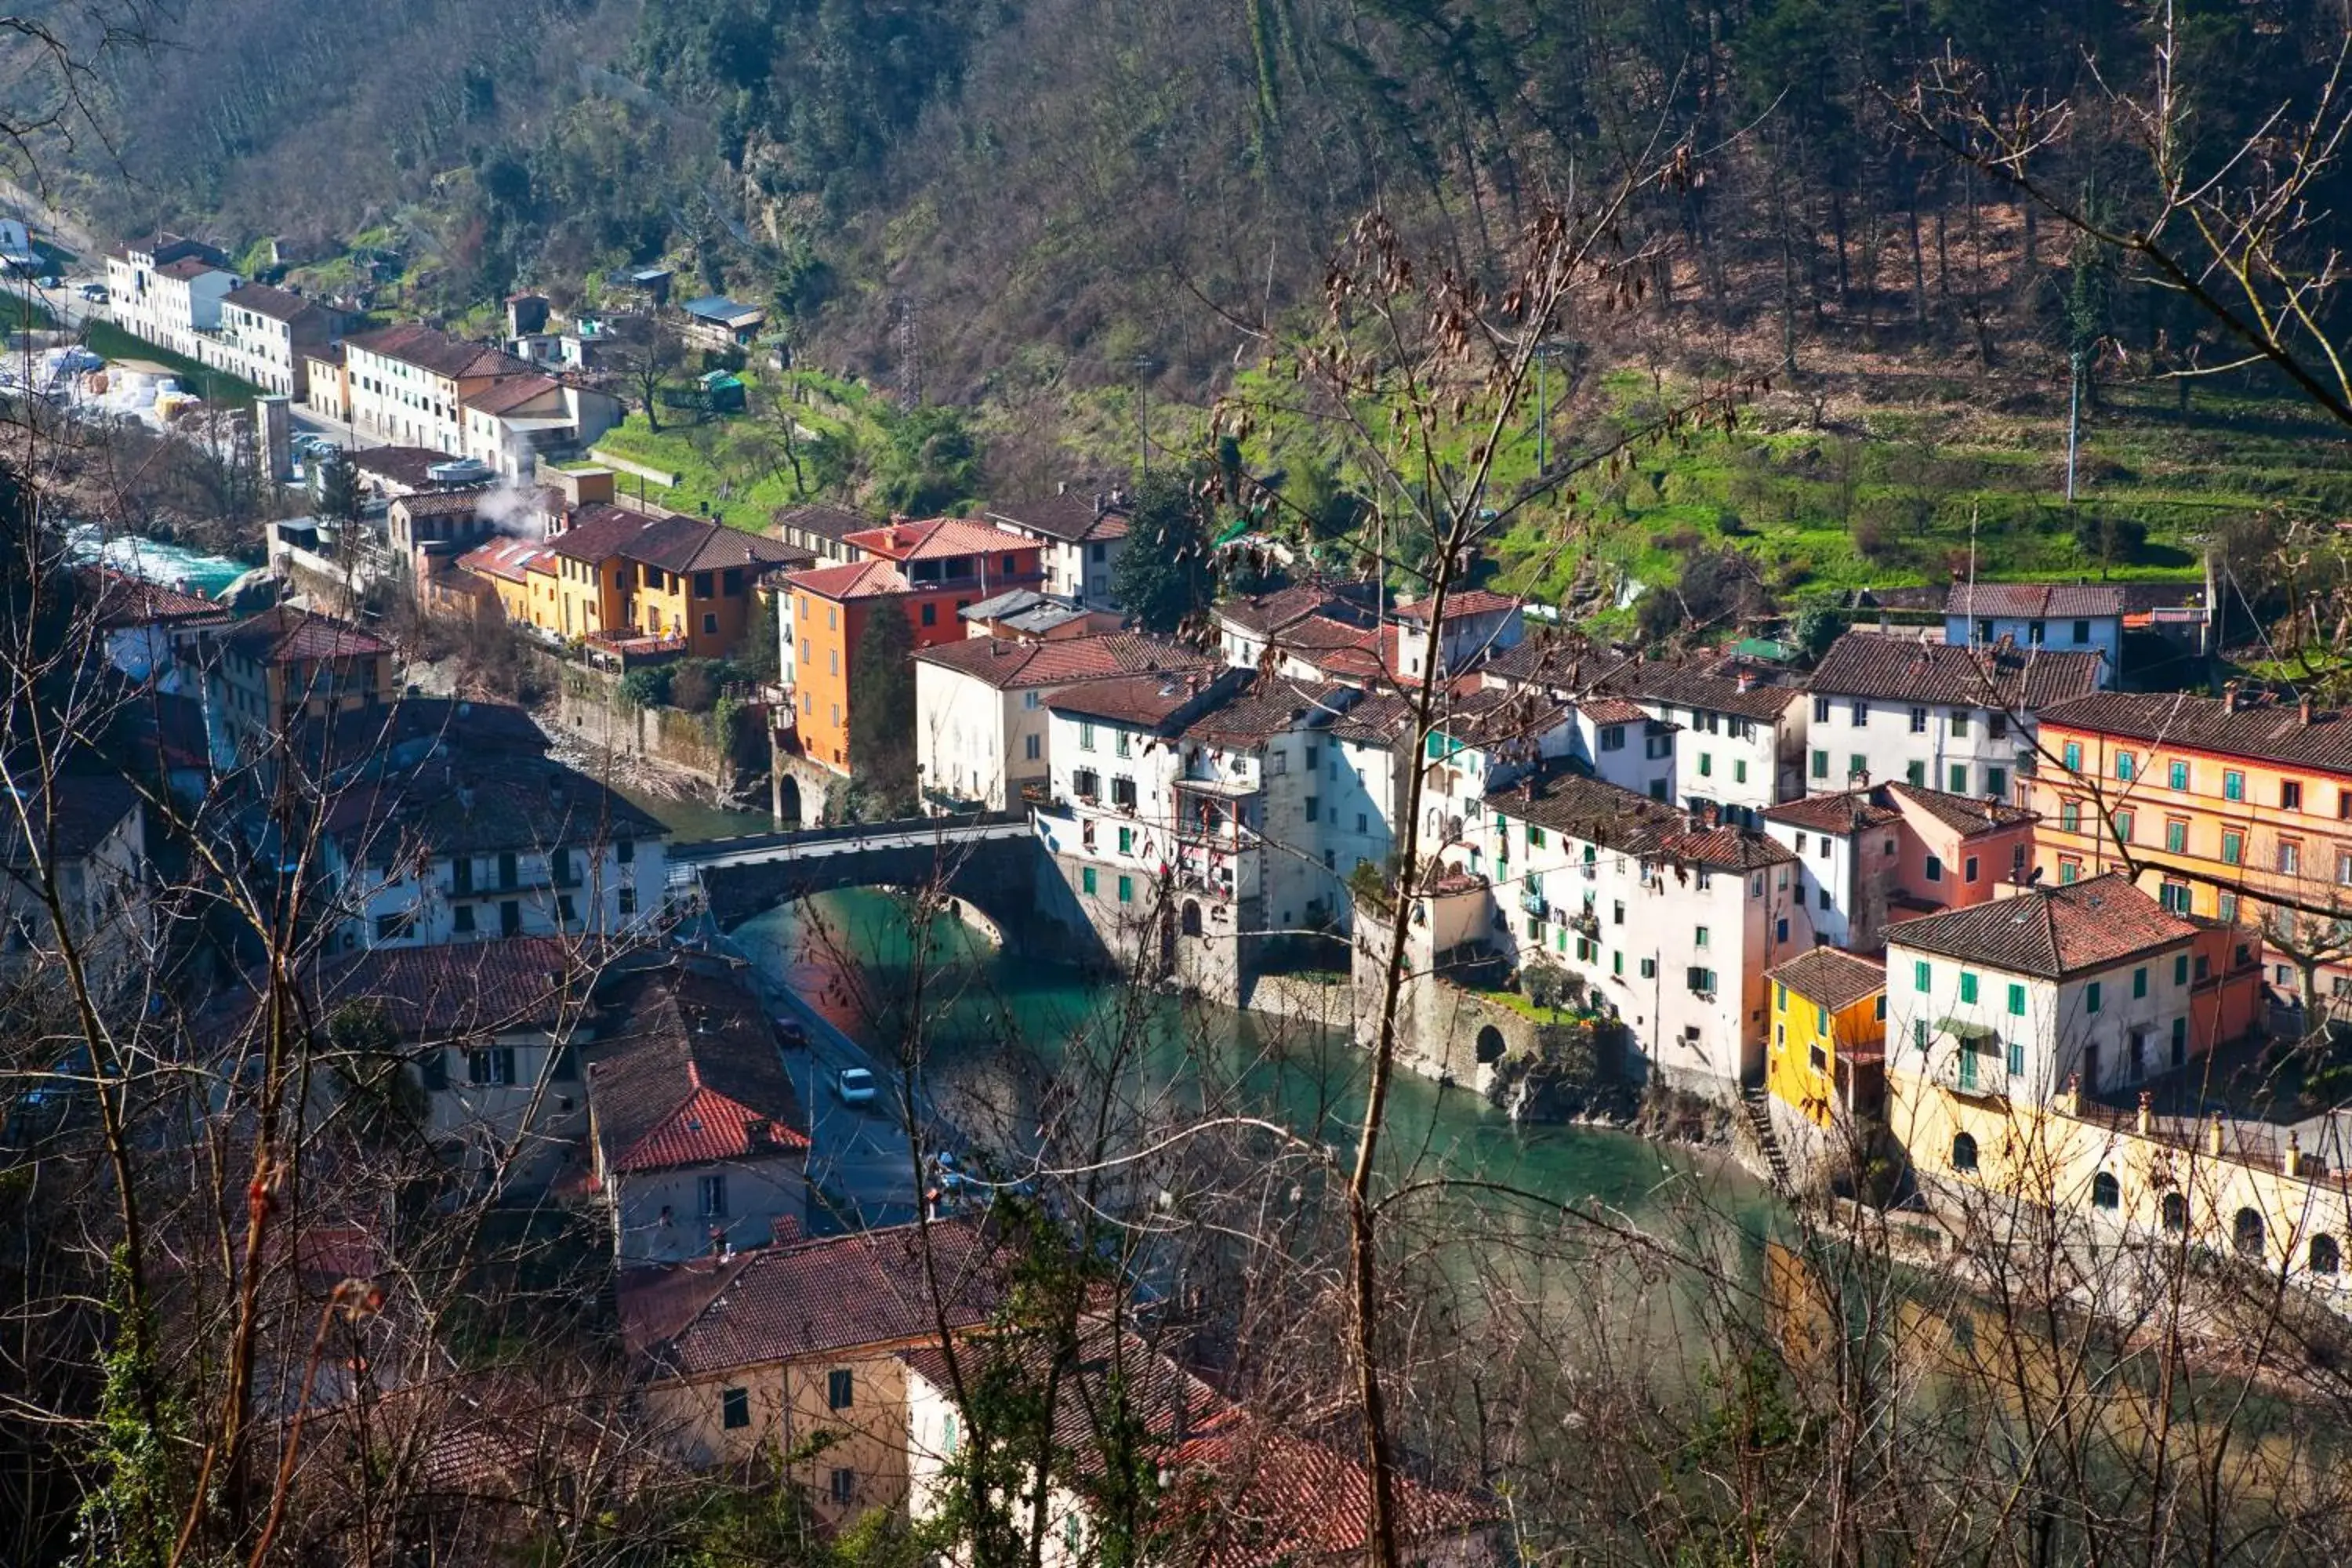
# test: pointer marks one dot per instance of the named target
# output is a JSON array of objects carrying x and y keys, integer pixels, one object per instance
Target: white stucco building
[
  {"x": 1081, "y": 538},
  {"x": 2067, "y": 618},
  {"x": 168, "y": 290}
]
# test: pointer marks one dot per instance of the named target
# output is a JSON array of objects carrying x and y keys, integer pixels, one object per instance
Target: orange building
[
  {"x": 928, "y": 572},
  {"x": 2241, "y": 807}
]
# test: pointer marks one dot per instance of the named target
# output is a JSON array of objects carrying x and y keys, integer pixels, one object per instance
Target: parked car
[
  {"x": 788, "y": 1031},
  {"x": 94, "y": 292},
  {"x": 856, "y": 1085}
]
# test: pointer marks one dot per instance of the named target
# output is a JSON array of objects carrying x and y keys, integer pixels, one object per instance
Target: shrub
[
  {"x": 694, "y": 684},
  {"x": 648, "y": 687}
]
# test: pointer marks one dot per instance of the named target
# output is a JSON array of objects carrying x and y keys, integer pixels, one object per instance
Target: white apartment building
[
  {"x": 1893, "y": 851},
  {"x": 1081, "y": 538},
  {"x": 508, "y": 424},
  {"x": 982, "y": 729},
  {"x": 508, "y": 846},
  {"x": 1671, "y": 922},
  {"x": 1478, "y": 626},
  {"x": 168, "y": 291},
  {"x": 1619, "y": 742},
  {"x": 2068, "y": 617},
  {"x": 2018, "y": 996},
  {"x": 407, "y": 384},
  {"x": 268, "y": 336},
  {"x": 91, "y": 831},
  {"x": 1960, "y": 720}
]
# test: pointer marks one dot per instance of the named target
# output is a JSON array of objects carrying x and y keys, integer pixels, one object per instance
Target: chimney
[
  {"x": 1747, "y": 680},
  {"x": 2229, "y": 696},
  {"x": 2144, "y": 1120},
  {"x": 2303, "y": 708},
  {"x": 2293, "y": 1163},
  {"x": 1101, "y": 501},
  {"x": 758, "y": 1132},
  {"x": 2214, "y": 1136}
]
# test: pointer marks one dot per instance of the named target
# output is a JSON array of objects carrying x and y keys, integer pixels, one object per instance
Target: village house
[
  {"x": 471, "y": 843},
  {"x": 1479, "y": 624},
  {"x": 2094, "y": 983},
  {"x": 981, "y": 727},
  {"x": 823, "y": 530},
  {"x": 160, "y": 636},
  {"x": 168, "y": 291},
  {"x": 1953, "y": 718},
  {"x": 1247, "y": 626},
  {"x": 509, "y": 426},
  {"x": 1888, "y": 851},
  {"x": 270, "y": 336},
  {"x": 288, "y": 664},
  {"x": 386, "y": 473},
  {"x": 522, "y": 576},
  {"x": 1237, "y": 1489},
  {"x": 765, "y": 1349},
  {"x": 928, "y": 572},
  {"x": 89, "y": 830},
  {"x": 1024, "y": 615},
  {"x": 2240, "y": 806},
  {"x": 716, "y": 322},
  {"x": 1669, "y": 918},
  {"x": 1079, "y": 537},
  {"x": 699, "y": 1142},
  {"x": 1825, "y": 1064},
  {"x": 2074, "y": 617}
]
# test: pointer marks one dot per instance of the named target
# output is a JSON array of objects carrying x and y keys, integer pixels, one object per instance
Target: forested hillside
[{"x": 964, "y": 198}]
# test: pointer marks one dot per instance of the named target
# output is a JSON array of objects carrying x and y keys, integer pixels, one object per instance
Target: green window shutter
[{"x": 2016, "y": 1001}]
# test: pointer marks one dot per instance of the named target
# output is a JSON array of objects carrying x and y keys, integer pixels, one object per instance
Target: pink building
[{"x": 1895, "y": 850}]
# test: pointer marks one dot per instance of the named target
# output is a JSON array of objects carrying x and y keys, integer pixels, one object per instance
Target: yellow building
[
  {"x": 680, "y": 584},
  {"x": 2241, "y": 807},
  {"x": 1827, "y": 1056},
  {"x": 285, "y": 665},
  {"x": 521, "y": 571},
  {"x": 2240, "y": 1187},
  {"x": 795, "y": 1349}
]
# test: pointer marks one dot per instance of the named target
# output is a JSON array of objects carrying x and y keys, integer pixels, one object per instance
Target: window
[
  {"x": 494, "y": 1068},
  {"x": 948, "y": 1426},
  {"x": 1969, "y": 869},
  {"x": 2106, "y": 1193},
  {"x": 1086, "y": 879},
  {"x": 2073, "y": 753},
  {"x": 1967, "y": 987},
  {"x": 1861, "y": 713},
  {"x": 2234, "y": 784},
  {"x": 1919, "y": 1033},
  {"x": 1031, "y": 746},
  {"x": 1935, "y": 869},
  {"x": 1649, "y": 969},
  {"x": 1313, "y": 804},
  {"x": 2174, "y": 896},
  {"x": 1127, "y": 890},
  {"x": 2175, "y": 835},
  {"x": 840, "y": 1388},
  {"x": 1122, "y": 745},
  {"x": 2234, "y": 846},
  {"x": 1700, "y": 940},
  {"x": 1707, "y": 765},
  {"x": 843, "y": 1486},
  {"x": 1996, "y": 783},
  {"x": 2124, "y": 766},
  {"x": 2017, "y": 1058},
  {"x": 2227, "y": 908},
  {"x": 1821, "y": 764},
  {"x": 2139, "y": 981},
  {"x": 393, "y": 928},
  {"x": 734, "y": 1407},
  {"x": 2180, "y": 970},
  {"x": 1821, "y": 710},
  {"x": 2016, "y": 1000},
  {"x": 1781, "y": 995},
  {"x": 710, "y": 1192},
  {"x": 2070, "y": 816},
  {"x": 1959, "y": 722},
  {"x": 2326, "y": 1257},
  {"x": 1612, "y": 738},
  {"x": 1086, "y": 735},
  {"x": 709, "y": 625},
  {"x": 2290, "y": 794},
  {"x": 2177, "y": 775},
  {"x": 2290, "y": 856},
  {"x": 1857, "y": 766},
  {"x": 1819, "y": 1059},
  {"x": 1127, "y": 840},
  {"x": 1964, "y": 1152},
  {"x": 1918, "y": 720},
  {"x": 461, "y": 920},
  {"x": 1922, "y": 974},
  {"x": 2082, "y": 632},
  {"x": 1702, "y": 981},
  {"x": 2125, "y": 823},
  {"x": 2175, "y": 1212}
]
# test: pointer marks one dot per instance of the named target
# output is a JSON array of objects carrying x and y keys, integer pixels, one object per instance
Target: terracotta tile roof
[
  {"x": 277, "y": 304},
  {"x": 431, "y": 350},
  {"x": 1545, "y": 657},
  {"x": 598, "y": 531},
  {"x": 1268, "y": 613},
  {"x": 1147, "y": 702},
  {"x": 408, "y": 466},
  {"x": 1612, "y": 710},
  {"x": 1271, "y": 707},
  {"x": 1846, "y": 812},
  {"x": 2050, "y": 932},
  {"x": 688, "y": 1071},
  {"x": 125, "y": 601},
  {"x": 2034, "y": 601},
  {"x": 476, "y": 800},
  {"x": 465, "y": 502},
  {"x": 1586, "y": 809},
  {"x": 1007, "y": 665},
  {"x": 936, "y": 539},
  {"x": 458, "y": 991},
  {"x": 1465, "y": 603},
  {"x": 1385, "y": 717},
  {"x": 1909, "y": 669},
  {"x": 187, "y": 268},
  {"x": 779, "y": 1304},
  {"x": 1965, "y": 815},
  {"x": 2260, "y": 731},
  {"x": 275, "y": 636},
  {"x": 501, "y": 397},
  {"x": 1831, "y": 976},
  {"x": 509, "y": 557},
  {"x": 853, "y": 580},
  {"x": 69, "y": 815},
  {"x": 696, "y": 545},
  {"x": 1070, "y": 518},
  {"x": 829, "y": 521},
  {"x": 1711, "y": 683}
]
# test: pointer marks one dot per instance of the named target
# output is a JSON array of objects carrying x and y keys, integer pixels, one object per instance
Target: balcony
[
  {"x": 1584, "y": 923},
  {"x": 1976, "y": 1068},
  {"x": 1534, "y": 903}
]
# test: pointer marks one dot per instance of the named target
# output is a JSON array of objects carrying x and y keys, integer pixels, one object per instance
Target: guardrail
[{"x": 848, "y": 832}]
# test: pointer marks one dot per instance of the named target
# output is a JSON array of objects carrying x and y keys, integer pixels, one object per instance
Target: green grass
[
  {"x": 17, "y": 311},
  {"x": 216, "y": 386}
]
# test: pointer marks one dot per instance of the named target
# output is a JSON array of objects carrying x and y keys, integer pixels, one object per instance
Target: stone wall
[{"x": 588, "y": 704}]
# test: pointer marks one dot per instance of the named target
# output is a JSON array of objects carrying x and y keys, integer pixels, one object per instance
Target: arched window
[
  {"x": 2175, "y": 1213},
  {"x": 2106, "y": 1193},
  {"x": 1964, "y": 1152},
  {"x": 2246, "y": 1232},
  {"x": 2326, "y": 1257},
  {"x": 1191, "y": 917}
]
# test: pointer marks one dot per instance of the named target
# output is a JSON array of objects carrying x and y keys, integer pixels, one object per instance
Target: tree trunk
[
  {"x": 1837, "y": 232},
  {"x": 1918, "y": 270}
]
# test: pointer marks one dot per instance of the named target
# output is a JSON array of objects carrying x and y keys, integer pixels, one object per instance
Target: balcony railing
[{"x": 1534, "y": 903}]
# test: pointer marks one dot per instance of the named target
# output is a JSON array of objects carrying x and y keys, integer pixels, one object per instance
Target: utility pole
[
  {"x": 1143, "y": 367},
  {"x": 2074, "y": 418},
  {"x": 1545, "y": 353}
]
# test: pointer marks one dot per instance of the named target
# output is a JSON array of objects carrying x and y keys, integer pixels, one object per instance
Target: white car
[{"x": 856, "y": 1085}]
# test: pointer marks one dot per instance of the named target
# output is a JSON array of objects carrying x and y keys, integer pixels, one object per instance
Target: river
[{"x": 190, "y": 570}]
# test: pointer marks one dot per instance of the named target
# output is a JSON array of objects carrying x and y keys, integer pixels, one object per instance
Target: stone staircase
[{"x": 1754, "y": 1100}]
